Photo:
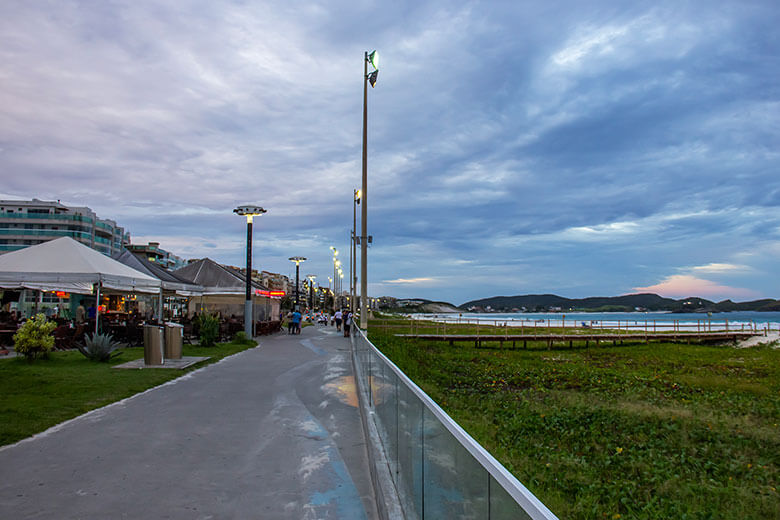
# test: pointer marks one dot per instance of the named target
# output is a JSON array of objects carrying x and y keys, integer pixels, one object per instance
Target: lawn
[
  {"x": 647, "y": 431},
  {"x": 38, "y": 395}
]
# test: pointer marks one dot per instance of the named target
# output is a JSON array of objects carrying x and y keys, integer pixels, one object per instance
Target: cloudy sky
[{"x": 577, "y": 148}]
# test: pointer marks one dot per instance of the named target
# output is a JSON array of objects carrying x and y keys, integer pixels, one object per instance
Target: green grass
[
  {"x": 35, "y": 396},
  {"x": 646, "y": 431}
]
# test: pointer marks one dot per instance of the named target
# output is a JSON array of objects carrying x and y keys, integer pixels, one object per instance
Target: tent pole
[
  {"x": 160, "y": 306},
  {"x": 97, "y": 307}
]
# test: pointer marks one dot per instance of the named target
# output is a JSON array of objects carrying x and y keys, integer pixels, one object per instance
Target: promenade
[{"x": 272, "y": 432}]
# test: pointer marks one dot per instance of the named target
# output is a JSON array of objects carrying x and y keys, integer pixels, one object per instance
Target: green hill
[{"x": 625, "y": 303}]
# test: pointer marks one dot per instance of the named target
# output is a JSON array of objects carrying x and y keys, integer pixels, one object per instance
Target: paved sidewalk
[{"x": 273, "y": 432}]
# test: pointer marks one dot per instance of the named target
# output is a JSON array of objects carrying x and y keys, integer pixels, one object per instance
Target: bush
[
  {"x": 34, "y": 339},
  {"x": 99, "y": 347},
  {"x": 209, "y": 330}
]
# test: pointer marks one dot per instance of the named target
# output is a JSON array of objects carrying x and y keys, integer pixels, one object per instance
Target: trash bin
[
  {"x": 153, "y": 345},
  {"x": 174, "y": 337}
]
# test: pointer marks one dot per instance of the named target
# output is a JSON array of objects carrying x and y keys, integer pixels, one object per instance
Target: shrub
[
  {"x": 34, "y": 339},
  {"x": 99, "y": 347},
  {"x": 209, "y": 330}
]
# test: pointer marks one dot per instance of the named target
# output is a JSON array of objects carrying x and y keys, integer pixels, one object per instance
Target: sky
[{"x": 576, "y": 148}]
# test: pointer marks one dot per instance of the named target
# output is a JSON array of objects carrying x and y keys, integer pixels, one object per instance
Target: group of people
[{"x": 341, "y": 319}]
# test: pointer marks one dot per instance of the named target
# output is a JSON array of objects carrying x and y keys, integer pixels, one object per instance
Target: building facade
[
  {"x": 26, "y": 223},
  {"x": 159, "y": 256}
]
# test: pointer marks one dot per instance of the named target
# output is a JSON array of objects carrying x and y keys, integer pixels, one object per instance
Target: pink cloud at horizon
[{"x": 684, "y": 285}]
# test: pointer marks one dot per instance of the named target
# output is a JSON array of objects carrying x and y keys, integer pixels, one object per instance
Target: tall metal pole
[
  {"x": 248, "y": 303},
  {"x": 364, "y": 209},
  {"x": 353, "y": 272},
  {"x": 297, "y": 287}
]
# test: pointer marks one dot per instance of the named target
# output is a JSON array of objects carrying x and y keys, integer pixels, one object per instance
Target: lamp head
[
  {"x": 249, "y": 211},
  {"x": 358, "y": 194},
  {"x": 372, "y": 78},
  {"x": 373, "y": 59},
  {"x": 297, "y": 259}
]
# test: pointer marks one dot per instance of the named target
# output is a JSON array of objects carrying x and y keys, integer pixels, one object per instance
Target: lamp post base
[{"x": 248, "y": 319}]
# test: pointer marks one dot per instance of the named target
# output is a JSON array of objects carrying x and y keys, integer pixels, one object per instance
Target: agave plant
[{"x": 99, "y": 347}]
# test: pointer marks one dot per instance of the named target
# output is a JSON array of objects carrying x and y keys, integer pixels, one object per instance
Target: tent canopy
[
  {"x": 66, "y": 265},
  {"x": 171, "y": 282}
]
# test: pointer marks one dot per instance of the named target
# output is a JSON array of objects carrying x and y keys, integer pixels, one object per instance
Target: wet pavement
[{"x": 272, "y": 432}]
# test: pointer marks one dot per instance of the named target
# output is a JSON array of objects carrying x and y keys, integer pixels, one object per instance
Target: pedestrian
[
  {"x": 338, "y": 317},
  {"x": 296, "y": 321},
  {"x": 290, "y": 324},
  {"x": 347, "y": 323}
]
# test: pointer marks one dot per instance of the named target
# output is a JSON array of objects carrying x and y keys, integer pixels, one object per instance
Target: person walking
[
  {"x": 296, "y": 320},
  {"x": 347, "y": 323},
  {"x": 338, "y": 317}
]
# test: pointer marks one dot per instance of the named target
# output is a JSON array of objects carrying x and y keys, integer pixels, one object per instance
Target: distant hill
[{"x": 625, "y": 303}]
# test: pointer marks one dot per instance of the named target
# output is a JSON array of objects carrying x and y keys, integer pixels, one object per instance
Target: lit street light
[
  {"x": 249, "y": 212},
  {"x": 373, "y": 59},
  {"x": 297, "y": 260},
  {"x": 311, "y": 278}
]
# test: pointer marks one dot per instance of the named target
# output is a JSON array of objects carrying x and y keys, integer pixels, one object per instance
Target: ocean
[{"x": 631, "y": 320}]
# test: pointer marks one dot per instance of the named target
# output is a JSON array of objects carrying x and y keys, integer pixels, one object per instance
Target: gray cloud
[{"x": 564, "y": 147}]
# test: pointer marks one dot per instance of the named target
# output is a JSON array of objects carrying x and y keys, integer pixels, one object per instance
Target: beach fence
[
  {"x": 439, "y": 471},
  {"x": 627, "y": 325}
]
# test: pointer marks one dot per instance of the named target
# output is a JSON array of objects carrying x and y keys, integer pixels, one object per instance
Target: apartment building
[
  {"x": 25, "y": 223},
  {"x": 154, "y": 253}
]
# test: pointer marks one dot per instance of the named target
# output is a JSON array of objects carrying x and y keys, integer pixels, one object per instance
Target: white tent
[{"x": 66, "y": 265}]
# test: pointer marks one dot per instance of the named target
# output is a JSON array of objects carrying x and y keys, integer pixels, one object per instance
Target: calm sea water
[{"x": 661, "y": 320}]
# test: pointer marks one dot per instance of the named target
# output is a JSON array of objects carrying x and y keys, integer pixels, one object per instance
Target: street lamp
[
  {"x": 311, "y": 278},
  {"x": 336, "y": 263},
  {"x": 297, "y": 260},
  {"x": 249, "y": 212},
  {"x": 373, "y": 59},
  {"x": 352, "y": 252}
]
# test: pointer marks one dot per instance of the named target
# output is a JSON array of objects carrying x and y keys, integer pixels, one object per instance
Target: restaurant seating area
[{"x": 127, "y": 329}]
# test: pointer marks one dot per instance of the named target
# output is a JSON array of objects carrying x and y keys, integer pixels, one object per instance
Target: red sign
[
  {"x": 61, "y": 294},
  {"x": 271, "y": 294}
]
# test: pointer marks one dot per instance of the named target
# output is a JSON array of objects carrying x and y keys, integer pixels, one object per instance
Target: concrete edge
[{"x": 388, "y": 503}]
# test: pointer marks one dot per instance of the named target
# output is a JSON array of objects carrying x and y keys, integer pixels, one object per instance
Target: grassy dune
[{"x": 650, "y": 431}]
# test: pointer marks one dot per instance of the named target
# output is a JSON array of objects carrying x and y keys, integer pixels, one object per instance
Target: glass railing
[
  {"x": 105, "y": 226},
  {"x": 48, "y": 216},
  {"x": 439, "y": 471}
]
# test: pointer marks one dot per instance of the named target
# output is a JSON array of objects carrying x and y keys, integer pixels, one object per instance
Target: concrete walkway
[{"x": 273, "y": 432}]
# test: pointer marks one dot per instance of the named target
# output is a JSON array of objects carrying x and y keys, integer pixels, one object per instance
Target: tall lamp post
[
  {"x": 249, "y": 212},
  {"x": 311, "y": 278},
  {"x": 297, "y": 260},
  {"x": 353, "y": 252},
  {"x": 373, "y": 59},
  {"x": 335, "y": 264}
]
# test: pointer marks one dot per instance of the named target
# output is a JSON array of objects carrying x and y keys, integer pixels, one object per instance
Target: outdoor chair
[
  {"x": 63, "y": 337},
  {"x": 187, "y": 332},
  {"x": 224, "y": 330}
]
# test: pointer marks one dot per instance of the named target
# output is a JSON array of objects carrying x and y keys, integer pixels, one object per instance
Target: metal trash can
[
  {"x": 153, "y": 344},
  {"x": 174, "y": 337}
]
